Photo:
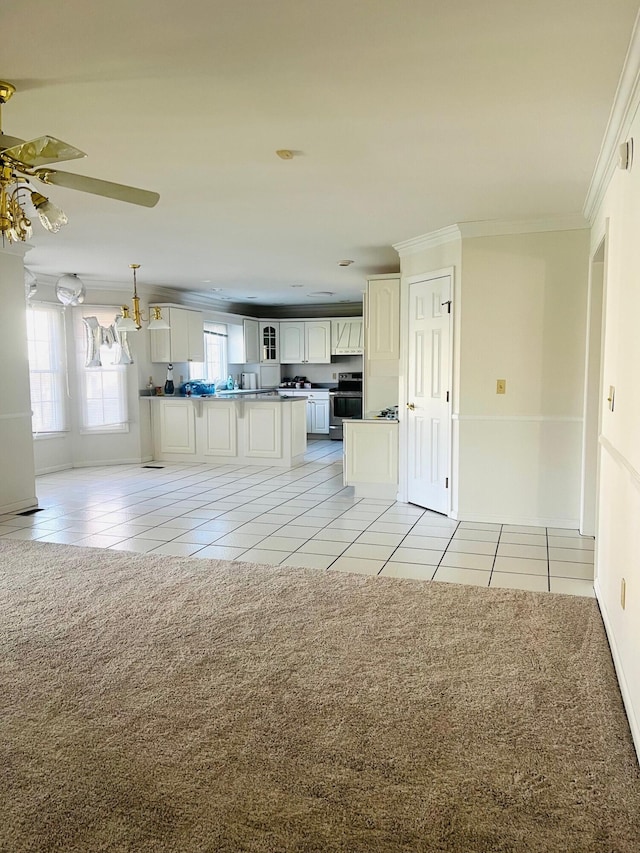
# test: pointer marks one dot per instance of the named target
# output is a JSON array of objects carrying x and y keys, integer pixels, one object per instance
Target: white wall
[
  {"x": 519, "y": 309},
  {"x": 17, "y": 480},
  {"x": 618, "y": 531},
  {"x": 522, "y": 319}
]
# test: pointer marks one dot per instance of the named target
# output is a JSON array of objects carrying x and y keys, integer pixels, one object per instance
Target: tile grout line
[
  {"x": 546, "y": 532},
  {"x": 399, "y": 545},
  {"x": 495, "y": 556},
  {"x": 457, "y": 527}
]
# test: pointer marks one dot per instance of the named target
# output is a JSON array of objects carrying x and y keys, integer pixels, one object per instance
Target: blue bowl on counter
[{"x": 197, "y": 388}]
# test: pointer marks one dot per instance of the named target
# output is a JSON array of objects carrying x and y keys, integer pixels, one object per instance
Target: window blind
[
  {"x": 47, "y": 369},
  {"x": 103, "y": 390}
]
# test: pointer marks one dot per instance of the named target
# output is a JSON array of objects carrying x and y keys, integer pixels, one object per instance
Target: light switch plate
[{"x": 501, "y": 386}]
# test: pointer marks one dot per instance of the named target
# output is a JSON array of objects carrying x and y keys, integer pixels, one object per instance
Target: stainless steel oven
[{"x": 345, "y": 403}]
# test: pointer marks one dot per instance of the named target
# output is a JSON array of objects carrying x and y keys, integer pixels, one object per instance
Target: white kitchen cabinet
[
  {"x": 269, "y": 342},
  {"x": 317, "y": 408},
  {"x": 371, "y": 458},
  {"x": 184, "y": 341},
  {"x": 263, "y": 431},
  {"x": 318, "y": 416},
  {"x": 347, "y": 336},
  {"x": 243, "y": 342},
  {"x": 177, "y": 428},
  {"x": 305, "y": 342},
  {"x": 221, "y": 431},
  {"x": 383, "y": 319}
]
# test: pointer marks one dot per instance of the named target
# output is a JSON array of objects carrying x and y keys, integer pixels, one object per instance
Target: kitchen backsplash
[{"x": 324, "y": 372}]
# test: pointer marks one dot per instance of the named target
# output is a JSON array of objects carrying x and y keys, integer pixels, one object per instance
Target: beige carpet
[{"x": 164, "y": 704}]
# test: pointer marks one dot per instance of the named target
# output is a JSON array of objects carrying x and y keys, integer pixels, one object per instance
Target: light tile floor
[{"x": 299, "y": 517}]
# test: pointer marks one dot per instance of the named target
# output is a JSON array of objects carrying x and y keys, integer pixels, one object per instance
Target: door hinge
[
  {"x": 448, "y": 304},
  {"x": 447, "y": 396},
  {"x": 446, "y": 482}
]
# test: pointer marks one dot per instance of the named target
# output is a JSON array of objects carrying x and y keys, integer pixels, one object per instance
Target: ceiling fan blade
[
  {"x": 120, "y": 192},
  {"x": 44, "y": 149}
]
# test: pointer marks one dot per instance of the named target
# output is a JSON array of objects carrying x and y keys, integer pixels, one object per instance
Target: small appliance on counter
[
  {"x": 296, "y": 382},
  {"x": 390, "y": 414},
  {"x": 249, "y": 381}
]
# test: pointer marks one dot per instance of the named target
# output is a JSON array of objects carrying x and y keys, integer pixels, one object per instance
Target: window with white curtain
[
  {"x": 47, "y": 369},
  {"x": 103, "y": 389},
  {"x": 214, "y": 367}
]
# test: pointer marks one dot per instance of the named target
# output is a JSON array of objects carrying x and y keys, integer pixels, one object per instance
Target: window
[
  {"x": 214, "y": 368},
  {"x": 47, "y": 369},
  {"x": 103, "y": 389}
]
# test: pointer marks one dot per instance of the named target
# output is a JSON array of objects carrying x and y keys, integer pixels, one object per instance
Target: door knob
[{"x": 411, "y": 406}]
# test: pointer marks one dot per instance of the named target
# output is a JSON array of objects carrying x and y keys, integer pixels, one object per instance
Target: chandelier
[{"x": 127, "y": 323}]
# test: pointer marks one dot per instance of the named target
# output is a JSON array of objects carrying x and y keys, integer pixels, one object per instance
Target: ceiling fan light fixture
[{"x": 51, "y": 216}]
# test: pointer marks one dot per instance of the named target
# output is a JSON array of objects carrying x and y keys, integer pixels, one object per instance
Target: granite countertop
[{"x": 251, "y": 396}]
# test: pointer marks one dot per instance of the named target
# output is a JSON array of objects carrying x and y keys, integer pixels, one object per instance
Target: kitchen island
[{"x": 245, "y": 428}]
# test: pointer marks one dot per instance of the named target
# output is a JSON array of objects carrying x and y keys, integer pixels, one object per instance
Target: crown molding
[
  {"x": 623, "y": 110},
  {"x": 490, "y": 228},
  {"x": 503, "y": 228},
  {"x": 427, "y": 241}
]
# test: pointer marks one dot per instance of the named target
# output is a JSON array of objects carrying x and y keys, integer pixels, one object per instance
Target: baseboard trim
[
  {"x": 524, "y": 521},
  {"x": 52, "y": 469},
  {"x": 18, "y": 506},
  {"x": 100, "y": 463},
  {"x": 634, "y": 724}
]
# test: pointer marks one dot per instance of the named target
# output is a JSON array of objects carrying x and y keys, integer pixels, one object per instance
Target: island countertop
[{"x": 226, "y": 396}]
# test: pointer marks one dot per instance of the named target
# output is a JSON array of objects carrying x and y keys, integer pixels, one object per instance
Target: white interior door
[{"x": 428, "y": 393}]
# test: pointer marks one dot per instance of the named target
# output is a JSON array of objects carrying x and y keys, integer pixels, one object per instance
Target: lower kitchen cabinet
[
  {"x": 318, "y": 416},
  {"x": 264, "y": 431},
  {"x": 371, "y": 458},
  {"x": 176, "y": 428},
  {"x": 221, "y": 430},
  {"x": 317, "y": 409}
]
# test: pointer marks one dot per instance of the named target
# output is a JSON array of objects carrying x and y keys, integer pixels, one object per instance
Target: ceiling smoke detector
[
  {"x": 321, "y": 293},
  {"x": 345, "y": 263},
  {"x": 285, "y": 154}
]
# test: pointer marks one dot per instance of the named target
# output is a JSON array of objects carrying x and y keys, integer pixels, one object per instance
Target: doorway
[
  {"x": 593, "y": 392},
  {"x": 428, "y": 400}
]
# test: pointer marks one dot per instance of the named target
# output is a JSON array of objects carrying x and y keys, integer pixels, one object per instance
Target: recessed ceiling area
[{"x": 401, "y": 118}]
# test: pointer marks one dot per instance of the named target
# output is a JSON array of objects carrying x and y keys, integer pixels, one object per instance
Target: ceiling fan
[{"x": 23, "y": 161}]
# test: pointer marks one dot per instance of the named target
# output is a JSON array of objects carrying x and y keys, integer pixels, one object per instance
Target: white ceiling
[{"x": 408, "y": 116}]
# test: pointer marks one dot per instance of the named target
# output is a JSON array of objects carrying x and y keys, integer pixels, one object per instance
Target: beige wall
[
  {"x": 519, "y": 314},
  {"x": 618, "y": 531},
  {"x": 522, "y": 319},
  {"x": 17, "y": 480}
]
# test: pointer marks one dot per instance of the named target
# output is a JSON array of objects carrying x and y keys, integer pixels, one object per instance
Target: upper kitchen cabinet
[
  {"x": 307, "y": 342},
  {"x": 184, "y": 341},
  {"x": 383, "y": 319},
  {"x": 346, "y": 336},
  {"x": 244, "y": 344},
  {"x": 269, "y": 343}
]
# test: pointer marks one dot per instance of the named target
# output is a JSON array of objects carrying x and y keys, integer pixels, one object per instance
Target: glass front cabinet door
[{"x": 269, "y": 349}]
